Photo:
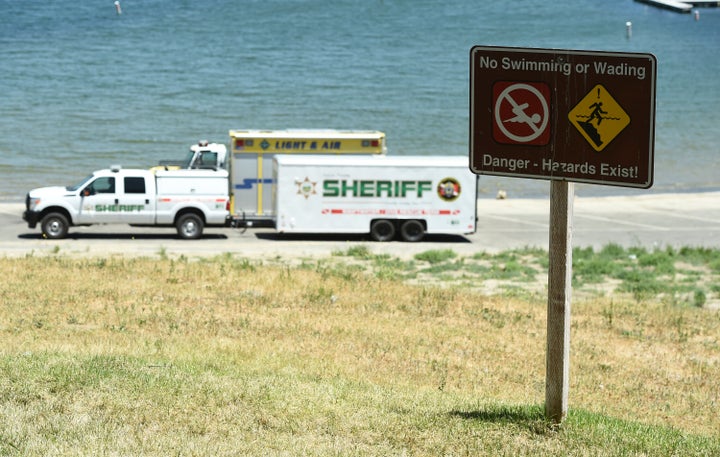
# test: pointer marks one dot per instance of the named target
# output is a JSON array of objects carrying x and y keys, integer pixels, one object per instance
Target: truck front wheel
[
  {"x": 382, "y": 230},
  {"x": 54, "y": 226},
  {"x": 189, "y": 226},
  {"x": 412, "y": 230}
]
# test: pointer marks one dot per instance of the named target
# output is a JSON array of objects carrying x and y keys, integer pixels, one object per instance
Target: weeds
[
  {"x": 436, "y": 256},
  {"x": 683, "y": 277},
  {"x": 360, "y": 251},
  {"x": 687, "y": 276}
]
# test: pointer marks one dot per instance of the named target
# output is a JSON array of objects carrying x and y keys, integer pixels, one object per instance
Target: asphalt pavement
[{"x": 650, "y": 221}]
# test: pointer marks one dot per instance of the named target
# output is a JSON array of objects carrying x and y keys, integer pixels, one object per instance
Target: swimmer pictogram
[
  {"x": 521, "y": 113},
  {"x": 599, "y": 118}
]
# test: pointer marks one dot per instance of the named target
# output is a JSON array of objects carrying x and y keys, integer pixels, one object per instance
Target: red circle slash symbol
[{"x": 521, "y": 113}]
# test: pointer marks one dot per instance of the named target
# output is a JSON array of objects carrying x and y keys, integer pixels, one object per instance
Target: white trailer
[{"x": 384, "y": 196}]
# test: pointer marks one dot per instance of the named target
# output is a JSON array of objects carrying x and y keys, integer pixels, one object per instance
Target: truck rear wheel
[
  {"x": 382, "y": 230},
  {"x": 54, "y": 226},
  {"x": 412, "y": 230},
  {"x": 189, "y": 226}
]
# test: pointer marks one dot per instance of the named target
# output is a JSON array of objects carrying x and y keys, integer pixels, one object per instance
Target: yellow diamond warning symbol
[{"x": 599, "y": 118}]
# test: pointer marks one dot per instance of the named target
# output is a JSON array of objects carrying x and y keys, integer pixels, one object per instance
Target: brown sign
[{"x": 581, "y": 116}]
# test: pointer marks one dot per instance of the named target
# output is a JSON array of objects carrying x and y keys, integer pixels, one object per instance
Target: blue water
[{"x": 82, "y": 87}]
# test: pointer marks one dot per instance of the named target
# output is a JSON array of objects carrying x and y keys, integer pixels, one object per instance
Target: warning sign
[
  {"x": 583, "y": 116},
  {"x": 521, "y": 113},
  {"x": 599, "y": 118}
]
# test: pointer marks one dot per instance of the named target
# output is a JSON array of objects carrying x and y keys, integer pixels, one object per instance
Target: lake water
[{"x": 83, "y": 87}]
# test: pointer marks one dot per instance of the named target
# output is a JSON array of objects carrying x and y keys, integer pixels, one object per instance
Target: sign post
[
  {"x": 565, "y": 116},
  {"x": 557, "y": 364}
]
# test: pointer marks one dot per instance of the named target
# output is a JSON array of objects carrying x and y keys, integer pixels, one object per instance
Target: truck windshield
[
  {"x": 75, "y": 187},
  {"x": 188, "y": 159}
]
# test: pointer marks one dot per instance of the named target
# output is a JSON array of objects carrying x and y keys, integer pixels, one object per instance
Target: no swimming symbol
[{"x": 521, "y": 113}]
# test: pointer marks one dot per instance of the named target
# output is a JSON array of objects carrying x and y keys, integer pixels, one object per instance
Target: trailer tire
[
  {"x": 412, "y": 230},
  {"x": 382, "y": 230},
  {"x": 54, "y": 226},
  {"x": 189, "y": 226}
]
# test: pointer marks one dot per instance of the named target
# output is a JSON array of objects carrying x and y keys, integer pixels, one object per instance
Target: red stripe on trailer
[{"x": 393, "y": 212}]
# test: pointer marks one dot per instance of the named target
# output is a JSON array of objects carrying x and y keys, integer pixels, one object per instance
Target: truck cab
[{"x": 202, "y": 155}]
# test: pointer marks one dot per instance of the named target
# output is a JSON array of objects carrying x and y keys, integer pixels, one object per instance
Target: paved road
[{"x": 647, "y": 220}]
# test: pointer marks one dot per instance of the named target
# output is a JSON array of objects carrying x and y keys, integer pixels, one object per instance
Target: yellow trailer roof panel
[{"x": 308, "y": 141}]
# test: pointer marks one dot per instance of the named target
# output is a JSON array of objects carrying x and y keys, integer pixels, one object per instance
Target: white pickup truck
[{"x": 189, "y": 200}]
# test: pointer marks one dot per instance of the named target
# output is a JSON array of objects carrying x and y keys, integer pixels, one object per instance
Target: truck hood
[{"x": 52, "y": 191}]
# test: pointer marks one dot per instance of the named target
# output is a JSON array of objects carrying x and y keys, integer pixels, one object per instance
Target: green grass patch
[{"x": 436, "y": 256}]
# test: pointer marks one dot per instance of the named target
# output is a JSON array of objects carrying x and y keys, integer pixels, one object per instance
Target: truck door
[
  {"x": 136, "y": 202},
  {"x": 99, "y": 202}
]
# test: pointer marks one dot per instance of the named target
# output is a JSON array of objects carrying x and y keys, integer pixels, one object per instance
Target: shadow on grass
[
  {"x": 530, "y": 417},
  {"x": 589, "y": 430}
]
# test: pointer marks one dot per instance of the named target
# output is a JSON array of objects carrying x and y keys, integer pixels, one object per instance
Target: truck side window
[
  {"x": 101, "y": 186},
  {"x": 210, "y": 159},
  {"x": 134, "y": 185}
]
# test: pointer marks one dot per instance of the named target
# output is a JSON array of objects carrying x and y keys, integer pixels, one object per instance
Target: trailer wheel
[
  {"x": 382, "y": 230},
  {"x": 189, "y": 226},
  {"x": 54, "y": 226},
  {"x": 412, "y": 230}
]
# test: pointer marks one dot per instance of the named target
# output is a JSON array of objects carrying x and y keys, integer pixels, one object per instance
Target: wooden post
[{"x": 557, "y": 380}]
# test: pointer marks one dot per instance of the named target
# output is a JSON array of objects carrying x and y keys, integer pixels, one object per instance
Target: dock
[
  {"x": 677, "y": 6},
  {"x": 681, "y": 6}
]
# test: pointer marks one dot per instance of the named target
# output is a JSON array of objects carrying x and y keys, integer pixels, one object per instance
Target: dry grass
[{"x": 223, "y": 357}]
